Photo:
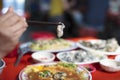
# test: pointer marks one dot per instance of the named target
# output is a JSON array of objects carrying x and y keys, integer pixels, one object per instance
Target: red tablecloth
[{"x": 11, "y": 72}]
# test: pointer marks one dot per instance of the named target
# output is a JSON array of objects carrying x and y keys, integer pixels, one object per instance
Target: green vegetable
[
  {"x": 44, "y": 73},
  {"x": 68, "y": 65}
]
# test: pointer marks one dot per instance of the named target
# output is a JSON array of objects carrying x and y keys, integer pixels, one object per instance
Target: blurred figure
[
  {"x": 94, "y": 18},
  {"x": 112, "y": 24},
  {"x": 11, "y": 28},
  {"x": 72, "y": 18},
  {"x": 56, "y": 10},
  {"x": 96, "y": 14}
]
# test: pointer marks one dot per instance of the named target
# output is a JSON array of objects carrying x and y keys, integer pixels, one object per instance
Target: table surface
[{"x": 11, "y": 72}]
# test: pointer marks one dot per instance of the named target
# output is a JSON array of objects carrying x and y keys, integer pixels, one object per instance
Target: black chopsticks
[{"x": 30, "y": 22}]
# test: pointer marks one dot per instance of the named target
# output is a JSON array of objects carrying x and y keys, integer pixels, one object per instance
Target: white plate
[
  {"x": 88, "y": 58},
  {"x": 73, "y": 46},
  {"x": 23, "y": 75},
  {"x": 116, "y": 52}
]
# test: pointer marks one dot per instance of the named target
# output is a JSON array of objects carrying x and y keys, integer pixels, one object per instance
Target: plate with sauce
[{"x": 57, "y": 71}]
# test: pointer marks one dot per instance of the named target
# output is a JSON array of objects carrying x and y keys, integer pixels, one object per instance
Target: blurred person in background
[
  {"x": 72, "y": 18},
  {"x": 56, "y": 10},
  {"x": 55, "y": 13},
  {"x": 12, "y": 27},
  {"x": 112, "y": 24},
  {"x": 94, "y": 18},
  {"x": 97, "y": 10}
]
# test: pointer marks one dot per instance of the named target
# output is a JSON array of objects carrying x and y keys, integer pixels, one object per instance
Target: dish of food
[
  {"x": 108, "y": 47},
  {"x": 55, "y": 71},
  {"x": 51, "y": 45},
  {"x": 80, "y": 57}
]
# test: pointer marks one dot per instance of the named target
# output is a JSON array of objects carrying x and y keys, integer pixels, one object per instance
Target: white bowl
[
  {"x": 110, "y": 65},
  {"x": 2, "y": 65},
  {"x": 43, "y": 57}
]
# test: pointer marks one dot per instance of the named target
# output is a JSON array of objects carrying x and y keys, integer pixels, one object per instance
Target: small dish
[
  {"x": 110, "y": 65},
  {"x": 2, "y": 65},
  {"x": 43, "y": 57}
]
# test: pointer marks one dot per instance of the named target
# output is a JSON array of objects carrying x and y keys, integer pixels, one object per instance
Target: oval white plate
[
  {"x": 73, "y": 46},
  {"x": 98, "y": 51},
  {"x": 61, "y": 56}
]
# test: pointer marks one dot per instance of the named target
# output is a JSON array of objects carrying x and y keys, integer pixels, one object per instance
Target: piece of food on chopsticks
[
  {"x": 60, "y": 26},
  {"x": 109, "y": 45},
  {"x": 60, "y": 30},
  {"x": 51, "y": 44},
  {"x": 59, "y": 71}
]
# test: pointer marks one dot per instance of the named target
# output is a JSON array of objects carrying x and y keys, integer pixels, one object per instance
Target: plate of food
[
  {"x": 107, "y": 47},
  {"x": 50, "y": 45},
  {"x": 55, "y": 71},
  {"x": 80, "y": 57}
]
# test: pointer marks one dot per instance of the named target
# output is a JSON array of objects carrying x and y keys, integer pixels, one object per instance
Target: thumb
[{"x": 10, "y": 9}]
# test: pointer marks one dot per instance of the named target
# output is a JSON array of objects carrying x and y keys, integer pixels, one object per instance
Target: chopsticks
[{"x": 30, "y": 22}]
